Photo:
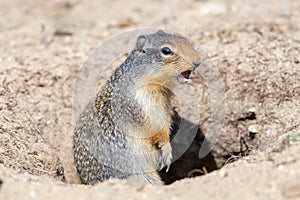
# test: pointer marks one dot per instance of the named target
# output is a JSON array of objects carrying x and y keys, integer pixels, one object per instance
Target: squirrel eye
[{"x": 166, "y": 51}]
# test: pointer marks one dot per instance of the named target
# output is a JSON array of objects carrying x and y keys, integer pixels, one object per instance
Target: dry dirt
[{"x": 254, "y": 44}]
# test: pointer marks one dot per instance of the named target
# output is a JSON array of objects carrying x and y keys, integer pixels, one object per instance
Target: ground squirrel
[{"x": 125, "y": 129}]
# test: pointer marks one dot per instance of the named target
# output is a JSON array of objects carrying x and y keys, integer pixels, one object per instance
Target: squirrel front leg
[
  {"x": 161, "y": 141},
  {"x": 166, "y": 155}
]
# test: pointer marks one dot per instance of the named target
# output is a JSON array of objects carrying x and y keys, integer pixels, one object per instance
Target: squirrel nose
[{"x": 197, "y": 62}]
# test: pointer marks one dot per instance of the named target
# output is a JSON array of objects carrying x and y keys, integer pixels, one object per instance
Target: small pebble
[
  {"x": 280, "y": 167},
  {"x": 223, "y": 174}
]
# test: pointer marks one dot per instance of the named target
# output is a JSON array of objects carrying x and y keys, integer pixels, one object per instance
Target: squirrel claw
[
  {"x": 168, "y": 167},
  {"x": 161, "y": 166},
  {"x": 166, "y": 157}
]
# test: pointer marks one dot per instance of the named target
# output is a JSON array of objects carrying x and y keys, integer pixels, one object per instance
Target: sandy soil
[{"x": 254, "y": 44}]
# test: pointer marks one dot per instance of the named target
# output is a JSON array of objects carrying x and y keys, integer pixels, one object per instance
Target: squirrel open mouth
[{"x": 184, "y": 76}]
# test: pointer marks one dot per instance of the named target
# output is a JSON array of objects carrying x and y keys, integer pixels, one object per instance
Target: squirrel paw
[{"x": 166, "y": 156}]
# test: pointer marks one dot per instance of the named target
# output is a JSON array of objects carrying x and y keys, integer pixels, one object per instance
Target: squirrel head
[{"x": 164, "y": 59}]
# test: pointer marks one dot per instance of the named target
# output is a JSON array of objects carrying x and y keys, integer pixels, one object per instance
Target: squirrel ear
[
  {"x": 161, "y": 32},
  {"x": 140, "y": 42}
]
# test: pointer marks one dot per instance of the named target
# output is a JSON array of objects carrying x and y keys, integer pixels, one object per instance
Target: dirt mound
[{"x": 254, "y": 45}]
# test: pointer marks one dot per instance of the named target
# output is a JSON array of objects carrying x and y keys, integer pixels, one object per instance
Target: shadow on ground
[{"x": 188, "y": 164}]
